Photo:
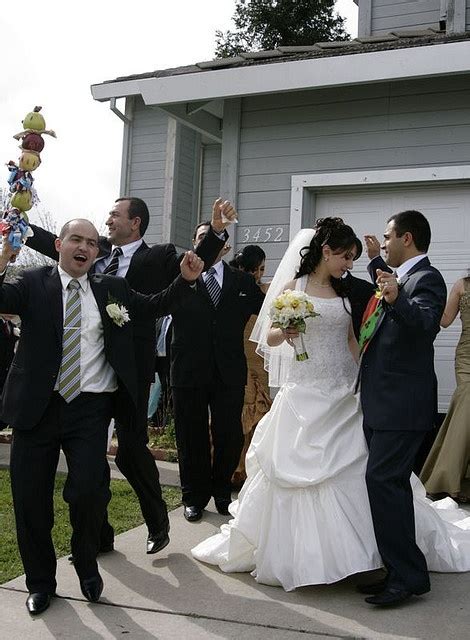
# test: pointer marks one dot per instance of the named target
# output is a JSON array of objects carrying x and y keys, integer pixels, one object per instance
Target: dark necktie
[
  {"x": 113, "y": 266},
  {"x": 212, "y": 286}
]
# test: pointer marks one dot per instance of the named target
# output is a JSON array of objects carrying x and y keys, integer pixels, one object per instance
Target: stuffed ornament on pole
[{"x": 14, "y": 223}]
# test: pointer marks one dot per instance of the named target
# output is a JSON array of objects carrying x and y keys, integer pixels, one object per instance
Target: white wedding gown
[{"x": 303, "y": 515}]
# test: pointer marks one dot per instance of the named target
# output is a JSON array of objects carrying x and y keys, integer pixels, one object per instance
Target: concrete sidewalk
[{"x": 170, "y": 595}]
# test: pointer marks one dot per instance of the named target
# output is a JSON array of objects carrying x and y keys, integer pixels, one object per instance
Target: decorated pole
[{"x": 22, "y": 195}]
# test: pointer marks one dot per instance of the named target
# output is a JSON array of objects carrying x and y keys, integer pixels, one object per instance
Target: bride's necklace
[{"x": 322, "y": 286}]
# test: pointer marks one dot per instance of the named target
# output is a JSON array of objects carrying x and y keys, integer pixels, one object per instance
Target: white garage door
[{"x": 448, "y": 211}]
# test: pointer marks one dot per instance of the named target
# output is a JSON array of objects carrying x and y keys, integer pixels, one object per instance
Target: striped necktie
[
  {"x": 69, "y": 375},
  {"x": 212, "y": 286},
  {"x": 113, "y": 266}
]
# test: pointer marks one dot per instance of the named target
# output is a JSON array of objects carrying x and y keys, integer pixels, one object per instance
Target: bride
[{"x": 303, "y": 516}]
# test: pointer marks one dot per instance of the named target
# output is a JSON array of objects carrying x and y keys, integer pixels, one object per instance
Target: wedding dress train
[{"x": 303, "y": 515}]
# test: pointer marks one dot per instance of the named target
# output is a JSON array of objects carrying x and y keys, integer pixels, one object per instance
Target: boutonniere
[{"x": 117, "y": 312}]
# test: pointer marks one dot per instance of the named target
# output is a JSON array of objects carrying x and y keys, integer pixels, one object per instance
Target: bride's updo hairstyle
[{"x": 339, "y": 237}]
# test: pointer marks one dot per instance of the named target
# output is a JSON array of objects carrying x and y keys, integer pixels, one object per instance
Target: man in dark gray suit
[{"x": 398, "y": 398}]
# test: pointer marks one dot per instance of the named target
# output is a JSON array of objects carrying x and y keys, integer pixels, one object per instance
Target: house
[{"x": 359, "y": 129}]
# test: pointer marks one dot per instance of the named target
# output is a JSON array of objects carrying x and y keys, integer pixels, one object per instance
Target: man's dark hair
[
  {"x": 137, "y": 209},
  {"x": 207, "y": 223},
  {"x": 413, "y": 222}
]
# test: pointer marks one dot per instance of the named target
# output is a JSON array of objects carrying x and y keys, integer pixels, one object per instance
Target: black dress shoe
[
  {"x": 192, "y": 514},
  {"x": 373, "y": 588},
  {"x": 222, "y": 506},
  {"x": 389, "y": 597},
  {"x": 158, "y": 541},
  {"x": 92, "y": 588},
  {"x": 38, "y": 602}
]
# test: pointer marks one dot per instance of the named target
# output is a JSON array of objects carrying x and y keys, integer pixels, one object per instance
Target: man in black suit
[
  {"x": 148, "y": 270},
  {"x": 398, "y": 397},
  {"x": 74, "y": 369},
  {"x": 208, "y": 374},
  {"x": 8, "y": 339}
]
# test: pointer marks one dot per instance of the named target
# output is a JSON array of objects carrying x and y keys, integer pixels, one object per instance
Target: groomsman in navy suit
[{"x": 398, "y": 398}]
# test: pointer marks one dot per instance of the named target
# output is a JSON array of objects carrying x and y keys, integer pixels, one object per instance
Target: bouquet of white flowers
[{"x": 291, "y": 309}]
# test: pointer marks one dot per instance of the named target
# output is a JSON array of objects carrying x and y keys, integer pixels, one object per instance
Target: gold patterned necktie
[{"x": 69, "y": 375}]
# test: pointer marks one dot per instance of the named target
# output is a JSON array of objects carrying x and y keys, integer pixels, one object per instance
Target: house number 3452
[{"x": 261, "y": 234}]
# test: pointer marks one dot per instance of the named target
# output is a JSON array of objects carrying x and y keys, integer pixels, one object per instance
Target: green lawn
[{"x": 124, "y": 514}]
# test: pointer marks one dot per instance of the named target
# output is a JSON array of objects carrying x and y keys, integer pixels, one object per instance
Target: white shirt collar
[
  {"x": 403, "y": 269},
  {"x": 129, "y": 249},
  {"x": 66, "y": 277}
]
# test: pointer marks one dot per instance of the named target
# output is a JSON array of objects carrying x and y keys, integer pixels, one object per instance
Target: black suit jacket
[
  {"x": 397, "y": 368},
  {"x": 359, "y": 293},
  {"x": 207, "y": 340},
  {"x": 151, "y": 270},
  {"x": 37, "y": 299},
  {"x": 8, "y": 340}
]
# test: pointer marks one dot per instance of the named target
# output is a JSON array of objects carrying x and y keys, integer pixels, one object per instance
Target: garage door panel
[{"x": 447, "y": 208}]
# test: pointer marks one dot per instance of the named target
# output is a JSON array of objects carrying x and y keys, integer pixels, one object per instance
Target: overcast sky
[{"x": 53, "y": 52}]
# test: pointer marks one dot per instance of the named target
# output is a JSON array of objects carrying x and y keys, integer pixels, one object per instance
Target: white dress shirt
[
  {"x": 128, "y": 251},
  {"x": 403, "y": 269},
  {"x": 218, "y": 275},
  {"x": 97, "y": 376}
]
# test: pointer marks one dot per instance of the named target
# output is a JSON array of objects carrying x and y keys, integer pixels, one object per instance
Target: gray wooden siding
[
  {"x": 388, "y": 15},
  {"x": 467, "y": 17},
  {"x": 186, "y": 189},
  {"x": 147, "y": 158},
  {"x": 210, "y": 179},
  {"x": 406, "y": 124}
]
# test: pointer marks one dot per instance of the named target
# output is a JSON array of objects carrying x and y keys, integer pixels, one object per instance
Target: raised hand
[
  {"x": 388, "y": 285},
  {"x": 223, "y": 215},
  {"x": 372, "y": 246},
  {"x": 191, "y": 266},
  {"x": 8, "y": 254}
]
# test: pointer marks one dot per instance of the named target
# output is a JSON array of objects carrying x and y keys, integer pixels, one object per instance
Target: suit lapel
[
  {"x": 419, "y": 265},
  {"x": 201, "y": 285},
  {"x": 100, "y": 291},
  {"x": 138, "y": 256},
  {"x": 53, "y": 286},
  {"x": 228, "y": 282}
]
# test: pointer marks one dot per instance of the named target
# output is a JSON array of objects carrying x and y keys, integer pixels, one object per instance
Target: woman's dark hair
[
  {"x": 249, "y": 258},
  {"x": 339, "y": 237}
]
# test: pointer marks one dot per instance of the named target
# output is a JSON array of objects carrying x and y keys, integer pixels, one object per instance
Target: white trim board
[
  {"x": 387, "y": 177},
  {"x": 361, "y": 68}
]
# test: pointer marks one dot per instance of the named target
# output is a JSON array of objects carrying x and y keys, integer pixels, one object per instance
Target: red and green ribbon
[{"x": 372, "y": 315}]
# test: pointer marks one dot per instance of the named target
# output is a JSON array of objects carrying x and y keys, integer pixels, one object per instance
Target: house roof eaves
[{"x": 343, "y": 67}]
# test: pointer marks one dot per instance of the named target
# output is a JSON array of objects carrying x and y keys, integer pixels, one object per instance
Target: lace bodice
[{"x": 330, "y": 365}]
